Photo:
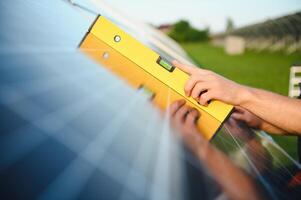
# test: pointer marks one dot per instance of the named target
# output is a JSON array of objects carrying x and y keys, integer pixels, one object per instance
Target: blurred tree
[
  {"x": 229, "y": 25},
  {"x": 183, "y": 32},
  {"x": 181, "y": 26}
]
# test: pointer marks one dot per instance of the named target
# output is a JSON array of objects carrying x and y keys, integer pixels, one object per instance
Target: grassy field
[{"x": 266, "y": 70}]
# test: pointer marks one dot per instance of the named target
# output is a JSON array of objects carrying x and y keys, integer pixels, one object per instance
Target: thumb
[{"x": 188, "y": 69}]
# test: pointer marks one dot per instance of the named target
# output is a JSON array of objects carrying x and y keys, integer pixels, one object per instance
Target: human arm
[
  {"x": 232, "y": 179},
  {"x": 255, "y": 122},
  {"x": 277, "y": 110}
]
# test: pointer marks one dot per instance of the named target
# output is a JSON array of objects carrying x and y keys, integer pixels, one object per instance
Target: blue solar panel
[{"x": 71, "y": 129}]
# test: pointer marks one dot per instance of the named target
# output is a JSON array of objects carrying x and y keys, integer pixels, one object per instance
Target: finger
[
  {"x": 188, "y": 69},
  {"x": 192, "y": 117},
  {"x": 205, "y": 98},
  {"x": 190, "y": 84},
  {"x": 239, "y": 109},
  {"x": 198, "y": 89},
  {"x": 238, "y": 116},
  {"x": 175, "y": 106},
  {"x": 181, "y": 114}
]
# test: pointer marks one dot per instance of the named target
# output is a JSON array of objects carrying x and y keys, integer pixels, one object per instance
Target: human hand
[
  {"x": 204, "y": 85},
  {"x": 247, "y": 117},
  {"x": 184, "y": 119},
  {"x": 239, "y": 129},
  {"x": 251, "y": 120}
]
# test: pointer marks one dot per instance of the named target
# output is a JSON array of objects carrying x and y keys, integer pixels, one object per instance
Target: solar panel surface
[{"x": 72, "y": 129}]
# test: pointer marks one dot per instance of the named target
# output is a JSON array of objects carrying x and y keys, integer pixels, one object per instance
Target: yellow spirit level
[{"x": 125, "y": 57}]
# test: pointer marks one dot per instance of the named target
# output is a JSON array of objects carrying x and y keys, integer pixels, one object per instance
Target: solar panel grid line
[
  {"x": 42, "y": 118},
  {"x": 267, "y": 139},
  {"x": 26, "y": 115},
  {"x": 59, "y": 119},
  {"x": 263, "y": 157},
  {"x": 168, "y": 162},
  {"x": 56, "y": 122},
  {"x": 151, "y": 184},
  {"x": 18, "y": 150},
  {"x": 225, "y": 143},
  {"x": 107, "y": 89},
  {"x": 253, "y": 166},
  {"x": 175, "y": 166},
  {"x": 36, "y": 87},
  {"x": 99, "y": 95},
  {"x": 57, "y": 70},
  {"x": 161, "y": 183},
  {"x": 141, "y": 160},
  {"x": 279, "y": 176},
  {"x": 102, "y": 72},
  {"x": 19, "y": 108},
  {"x": 100, "y": 144}
]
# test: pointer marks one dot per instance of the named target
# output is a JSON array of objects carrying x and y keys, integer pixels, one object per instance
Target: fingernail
[
  {"x": 182, "y": 101},
  {"x": 204, "y": 104}
]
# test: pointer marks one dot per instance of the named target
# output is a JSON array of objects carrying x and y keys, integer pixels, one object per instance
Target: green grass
[{"x": 266, "y": 70}]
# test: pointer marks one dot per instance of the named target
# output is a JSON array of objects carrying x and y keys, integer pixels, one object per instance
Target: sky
[{"x": 206, "y": 13}]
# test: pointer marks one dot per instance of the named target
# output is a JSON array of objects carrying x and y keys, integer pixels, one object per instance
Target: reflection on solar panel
[{"x": 72, "y": 129}]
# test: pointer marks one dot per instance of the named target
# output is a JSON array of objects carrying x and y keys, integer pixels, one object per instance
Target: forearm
[
  {"x": 232, "y": 179},
  {"x": 278, "y": 110},
  {"x": 269, "y": 128}
]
